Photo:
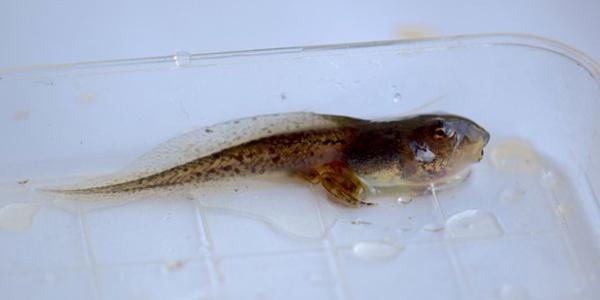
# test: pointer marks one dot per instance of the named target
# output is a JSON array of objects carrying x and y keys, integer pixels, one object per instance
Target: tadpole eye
[
  {"x": 442, "y": 132},
  {"x": 439, "y": 133}
]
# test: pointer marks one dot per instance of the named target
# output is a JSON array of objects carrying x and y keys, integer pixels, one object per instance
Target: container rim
[{"x": 445, "y": 42}]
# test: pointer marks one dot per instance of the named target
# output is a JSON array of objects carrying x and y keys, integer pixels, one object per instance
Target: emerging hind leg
[{"x": 339, "y": 181}]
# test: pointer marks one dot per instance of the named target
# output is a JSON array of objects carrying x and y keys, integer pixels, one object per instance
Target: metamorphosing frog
[{"x": 342, "y": 154}]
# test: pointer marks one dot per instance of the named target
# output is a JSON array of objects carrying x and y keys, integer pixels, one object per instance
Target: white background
[{"x": 44, "y": 32}]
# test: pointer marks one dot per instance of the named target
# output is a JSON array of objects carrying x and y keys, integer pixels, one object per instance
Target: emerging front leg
[{"x": 339, "y": 180}]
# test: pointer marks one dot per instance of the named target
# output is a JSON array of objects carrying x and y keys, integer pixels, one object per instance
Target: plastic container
[{"x": 524, "y": 225}]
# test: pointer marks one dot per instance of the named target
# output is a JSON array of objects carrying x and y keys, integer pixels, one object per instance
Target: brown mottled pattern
[
  {"x": 273, "y": 153},
  {"x": 380, "y": 153}
]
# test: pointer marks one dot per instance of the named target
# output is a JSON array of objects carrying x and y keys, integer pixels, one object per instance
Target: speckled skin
[
  {"x": 292, "y": 151},
  {"x": 412, "y": 151}
]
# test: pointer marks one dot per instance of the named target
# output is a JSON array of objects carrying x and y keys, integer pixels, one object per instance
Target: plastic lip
[{"x": 476, "y": 40}]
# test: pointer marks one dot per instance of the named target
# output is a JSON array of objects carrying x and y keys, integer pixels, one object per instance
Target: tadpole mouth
[
  {"x": 471, "y": 131},
  {"x": 486, "y": 138},
  {"x": 477, "y": 133}
]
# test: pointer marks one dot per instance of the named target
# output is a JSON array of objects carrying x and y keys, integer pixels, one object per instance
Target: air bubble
[
  {"x": 182, "y": 59},
  {"x": 433, "y": 227},
  {"x": 404, "y": 200},
  {"x": 473, "y": 223},
  {"x": 376, "y": 250}
]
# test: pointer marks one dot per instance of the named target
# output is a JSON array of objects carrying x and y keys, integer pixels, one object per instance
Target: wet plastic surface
[{"x": 524, "y": 225}]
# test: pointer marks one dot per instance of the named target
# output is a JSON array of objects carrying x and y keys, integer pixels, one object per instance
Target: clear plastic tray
[{"x": 524, "y": 225}]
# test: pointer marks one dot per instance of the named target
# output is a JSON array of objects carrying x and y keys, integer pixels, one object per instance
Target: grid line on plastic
[
  {"x": 89, "y": 254},
  {"x": 457, "y": 268}
]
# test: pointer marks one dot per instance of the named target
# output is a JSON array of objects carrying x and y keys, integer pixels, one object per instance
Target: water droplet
[
  {"x": 397, "y": 97},
  {"x": 376, "y": 250},
  {"x": 404, "y": 200},
  {"x": 182, "y": 58},
  {"x": 512, "y": 195},
  {"x": 360, "y": 222},
  {"x": 473, "y": 223},
  {"x": 433, "y": 227},
  {"x": 512, "y": 292},
  {"x": 515, "y": 157},
  {"x": 18, "y": 216},
  {"x": 549, "y": 180},
  {"x": 565, "y": 209}
]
